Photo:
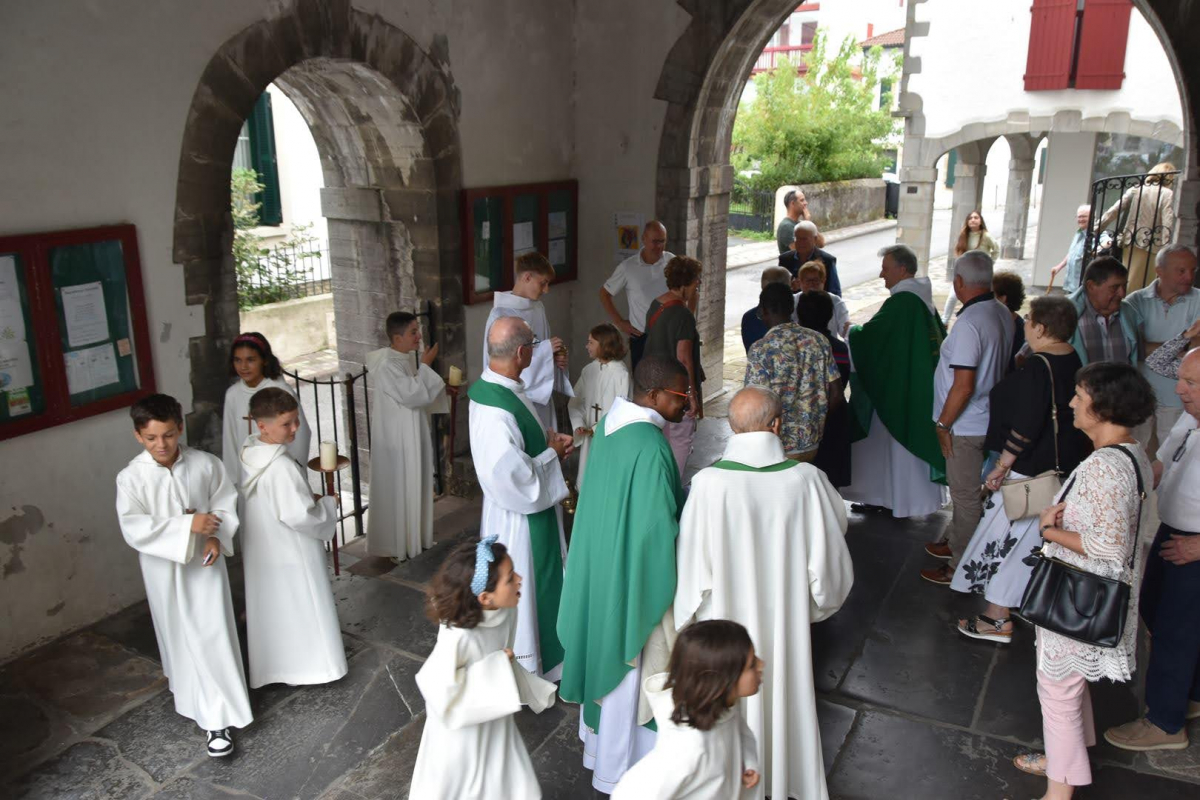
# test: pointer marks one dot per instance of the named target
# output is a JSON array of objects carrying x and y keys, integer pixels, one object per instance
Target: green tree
[
  {"x": 820, "y": 126},
  {"x": 263, "y": 275}
]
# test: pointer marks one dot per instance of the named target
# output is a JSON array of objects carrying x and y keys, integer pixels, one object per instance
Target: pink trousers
[
  {"x": 680, "y": 436},
  {"x": 1067, "y": 728}
]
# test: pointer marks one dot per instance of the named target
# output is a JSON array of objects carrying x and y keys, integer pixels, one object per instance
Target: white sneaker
[{"x": 220, "y": 743}]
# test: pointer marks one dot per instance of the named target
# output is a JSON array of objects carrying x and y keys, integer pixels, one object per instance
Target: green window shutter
[
  {"x": 262, "y": 156},
  {"x": 951, "y": 163}
]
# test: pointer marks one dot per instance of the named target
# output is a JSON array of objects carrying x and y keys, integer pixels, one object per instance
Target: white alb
[
  {"x": 599, "y": 384},
  {"x": 236, "y": 425}
]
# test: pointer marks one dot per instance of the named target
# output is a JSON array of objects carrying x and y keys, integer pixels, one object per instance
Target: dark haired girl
[{"x": 471, "y": 746}]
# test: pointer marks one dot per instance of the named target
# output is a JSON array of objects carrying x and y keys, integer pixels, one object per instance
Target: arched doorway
[
  {"x": 702, "y": 80},
  {"x": 384, "y": 115}
]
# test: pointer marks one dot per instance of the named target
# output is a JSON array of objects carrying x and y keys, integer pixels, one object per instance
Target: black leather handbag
[{"x": 1076, "y": 603}]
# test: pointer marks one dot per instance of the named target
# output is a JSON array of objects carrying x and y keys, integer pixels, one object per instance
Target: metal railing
[
  {"x": 752, "y": 210},
  {"x": 286, "y": 272},
  {"x": 1138, "y": 209},
  {"x": 772, "y": 57}
]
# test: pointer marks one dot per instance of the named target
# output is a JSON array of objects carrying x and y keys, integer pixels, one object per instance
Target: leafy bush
[
  {"x": 820, "y": 126},
  {"x": 264, "y": 275}
]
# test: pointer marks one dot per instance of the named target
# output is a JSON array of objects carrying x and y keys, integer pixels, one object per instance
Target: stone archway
[
  {"x": 702, "y": 80},
  {"x": 384, "y": 114}
]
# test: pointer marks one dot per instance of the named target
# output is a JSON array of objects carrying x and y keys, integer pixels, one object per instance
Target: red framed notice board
[
  {"x": 500, "y": 223},
  {"x": 74, "y": 341}
]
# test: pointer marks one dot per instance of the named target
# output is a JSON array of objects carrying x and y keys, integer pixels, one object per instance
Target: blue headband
[{"x": 483, "y": 557}]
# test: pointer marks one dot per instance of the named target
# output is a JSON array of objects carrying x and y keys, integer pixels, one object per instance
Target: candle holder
[
  {"x": 315, "y": 465},
  {"x": 453, "y": 391}
]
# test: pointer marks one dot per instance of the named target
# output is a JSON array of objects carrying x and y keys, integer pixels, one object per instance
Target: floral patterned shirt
[{"x": 798, "y": 365}]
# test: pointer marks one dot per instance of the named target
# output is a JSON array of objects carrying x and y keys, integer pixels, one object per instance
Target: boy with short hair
[
  {"x": 178, "y": 509},
  {"x": 547, "y": 371},
  {"x": 405, "y": 392},
  {"x": 291, "y": 622}
]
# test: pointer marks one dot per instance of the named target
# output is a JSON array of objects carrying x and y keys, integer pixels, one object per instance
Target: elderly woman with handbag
[
  {"x": 1082, "y": 595},
  {"x": 1031, "y": 428}
]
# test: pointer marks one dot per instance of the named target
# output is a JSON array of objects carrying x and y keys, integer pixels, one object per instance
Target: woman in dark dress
[
  {"x": 814, "y": 309},
  {"x": 1021, "y": 429}
]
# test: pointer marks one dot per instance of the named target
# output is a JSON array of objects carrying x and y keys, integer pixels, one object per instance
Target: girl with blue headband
[{"x": 471, "y": 747}]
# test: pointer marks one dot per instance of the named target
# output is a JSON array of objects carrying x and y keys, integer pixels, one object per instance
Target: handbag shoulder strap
[
  {"x": 1053, "y": 410},
  {"x": 1141, "y": 489},
  {"x": 674, "y": 301}
]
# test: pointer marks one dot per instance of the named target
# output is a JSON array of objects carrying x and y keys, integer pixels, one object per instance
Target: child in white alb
[
  {"x": 603, "y": 380},
  {"x": 704, "y": 750},
  {"x": 471, "y": 747}
]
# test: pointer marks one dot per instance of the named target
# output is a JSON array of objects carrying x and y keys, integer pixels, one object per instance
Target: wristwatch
[{"x": 942, "y": 426}]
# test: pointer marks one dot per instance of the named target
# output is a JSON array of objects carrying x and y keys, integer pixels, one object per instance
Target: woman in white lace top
[{"x": 1094, "y": 526}]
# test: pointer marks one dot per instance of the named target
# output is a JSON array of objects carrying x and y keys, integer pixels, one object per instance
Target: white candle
[
  {"x": 455, "y": 376},
  {"x": 329, "y": 455}
]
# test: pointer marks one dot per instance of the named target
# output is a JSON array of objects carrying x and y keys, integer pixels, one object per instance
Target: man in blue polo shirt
[{"x": 972, "y": 360}]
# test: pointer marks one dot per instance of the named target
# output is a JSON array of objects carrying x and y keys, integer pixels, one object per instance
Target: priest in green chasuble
[
  {"x": 896, "y": 462},
  {"x": 615, "y": 620},
  {"x": 518, "y": 463}
]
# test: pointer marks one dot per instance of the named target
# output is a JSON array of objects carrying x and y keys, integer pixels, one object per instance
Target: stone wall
[
  {"x": 294, "y": 327},
  {"x": 838, "y": 204}
]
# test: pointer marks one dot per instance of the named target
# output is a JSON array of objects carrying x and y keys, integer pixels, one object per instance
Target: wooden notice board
[
  {"x": 74, "y": 341},
  {"x": 500, "y": 223}
]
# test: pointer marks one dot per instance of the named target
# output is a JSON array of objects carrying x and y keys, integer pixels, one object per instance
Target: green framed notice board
[
  {"x": 500, "y": 223},
  {"x": 74, "y": 340}
]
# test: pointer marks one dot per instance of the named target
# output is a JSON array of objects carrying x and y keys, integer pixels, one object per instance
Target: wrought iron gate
[{"x": 1140, "y": 211}]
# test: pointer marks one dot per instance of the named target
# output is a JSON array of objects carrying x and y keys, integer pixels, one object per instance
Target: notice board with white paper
[{"x": 74, "y": 339}]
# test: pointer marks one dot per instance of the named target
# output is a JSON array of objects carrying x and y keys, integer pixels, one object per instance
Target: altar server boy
[
  {"x": 405, "y": 392},
  {"x": 177, "y": 508},
  {"x": 291, "y": 622}
]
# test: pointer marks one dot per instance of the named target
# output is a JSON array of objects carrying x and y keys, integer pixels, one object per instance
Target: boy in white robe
[
  {"x": 602, "y": 381},
  {"x": 547, "y": 369},
  {"x": 798, "y": 571},
  {"x": 178, "y": 509},
  {"x": 291, "y": 621},
  {"x": 519, "y": 468},
  {"x": 403, "y": 396}
]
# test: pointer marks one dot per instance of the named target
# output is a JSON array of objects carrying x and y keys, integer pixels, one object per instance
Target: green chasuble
[
  {"x": 543, "y": 526},
  {"x": 621, "y": 568},
  {"x": 894, "y": 357}
]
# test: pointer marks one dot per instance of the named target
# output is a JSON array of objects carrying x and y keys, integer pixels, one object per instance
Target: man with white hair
[
  {"x": 1073, "y": 261},
  {"x": 758, "y": 520},
  {"x": 973, "y": 359},
  {"x": 1171, "y": 588},
  {"x": 806, "y": 238},
  {"x": 518, "y": 462},
  {"x": 896, "y": 463},
  {"x": 1165, "y": 309}
]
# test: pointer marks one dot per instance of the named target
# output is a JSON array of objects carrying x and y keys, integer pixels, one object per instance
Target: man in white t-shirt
[
  {"x": 973, "y": 359},
  {"x": 641, "y": 278}
]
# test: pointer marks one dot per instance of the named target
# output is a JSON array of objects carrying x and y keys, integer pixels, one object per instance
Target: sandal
[
  {"x": 1032, "y": 763},
  {"x": 986, "y": 628}
]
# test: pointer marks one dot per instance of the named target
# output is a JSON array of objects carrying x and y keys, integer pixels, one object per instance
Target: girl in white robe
[
  {"x": 169, "y": 511},
  {"x": 471, "y": 747},
  {"x": 404, "y": 393},
  {"x": 602, "y": 381},
  {"x": 291, "y": 621},
  {"x": 704, "y": 750},
  {"x": 255, "y": 367}
]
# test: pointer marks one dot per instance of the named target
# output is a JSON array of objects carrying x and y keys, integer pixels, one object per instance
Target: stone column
[
  {"x": 914, "y": 220},
  {"x": 1016, "y": 208},
  {"x": 969, "y": 173}
]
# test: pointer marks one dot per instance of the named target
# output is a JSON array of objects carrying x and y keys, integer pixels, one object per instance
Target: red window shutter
[
  {"x": 1102, "y": 39},
  {"x": 1051, "y": 37}
]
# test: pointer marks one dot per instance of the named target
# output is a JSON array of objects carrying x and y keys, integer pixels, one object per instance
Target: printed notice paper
[
  {"x": 558, "y": 224},
  {"x": 15, "y": 369},
  {"x": 91, "y": 368},
  {"x": 522, "y": 237},
  {"x": 12, "y": 320},
  {"x": 83, "y": 308},
  {"x": 558, "y": 252}
]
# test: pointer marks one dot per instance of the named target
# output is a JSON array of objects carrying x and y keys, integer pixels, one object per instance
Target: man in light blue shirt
[
  {"x": 1165, "y": 309},
  {"x": 1073, "y": 261}
]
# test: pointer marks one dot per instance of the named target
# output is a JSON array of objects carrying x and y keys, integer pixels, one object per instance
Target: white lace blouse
[{"x": 1102, "y": 503}]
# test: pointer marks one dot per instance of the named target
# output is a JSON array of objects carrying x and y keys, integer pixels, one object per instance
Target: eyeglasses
[
  {"x": 536, "y": 341},
  {"x": 1179, "y": 451},
  {"x": 687, "y": 395}
]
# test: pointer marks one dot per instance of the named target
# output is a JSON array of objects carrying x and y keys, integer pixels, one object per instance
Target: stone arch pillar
[
  {"x": 969, "y": 173},
  {"x": 1023, "y": 147},
  {"x": 384, "y": 113}
]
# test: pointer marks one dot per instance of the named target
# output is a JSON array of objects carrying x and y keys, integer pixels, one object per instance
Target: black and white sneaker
[{"x": 220, "y": 743}]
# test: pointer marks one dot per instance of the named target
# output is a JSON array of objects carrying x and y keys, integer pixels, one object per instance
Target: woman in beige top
[
  {"x": 974, "y": 236},
  {"x": 1149, "y": 212}
]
